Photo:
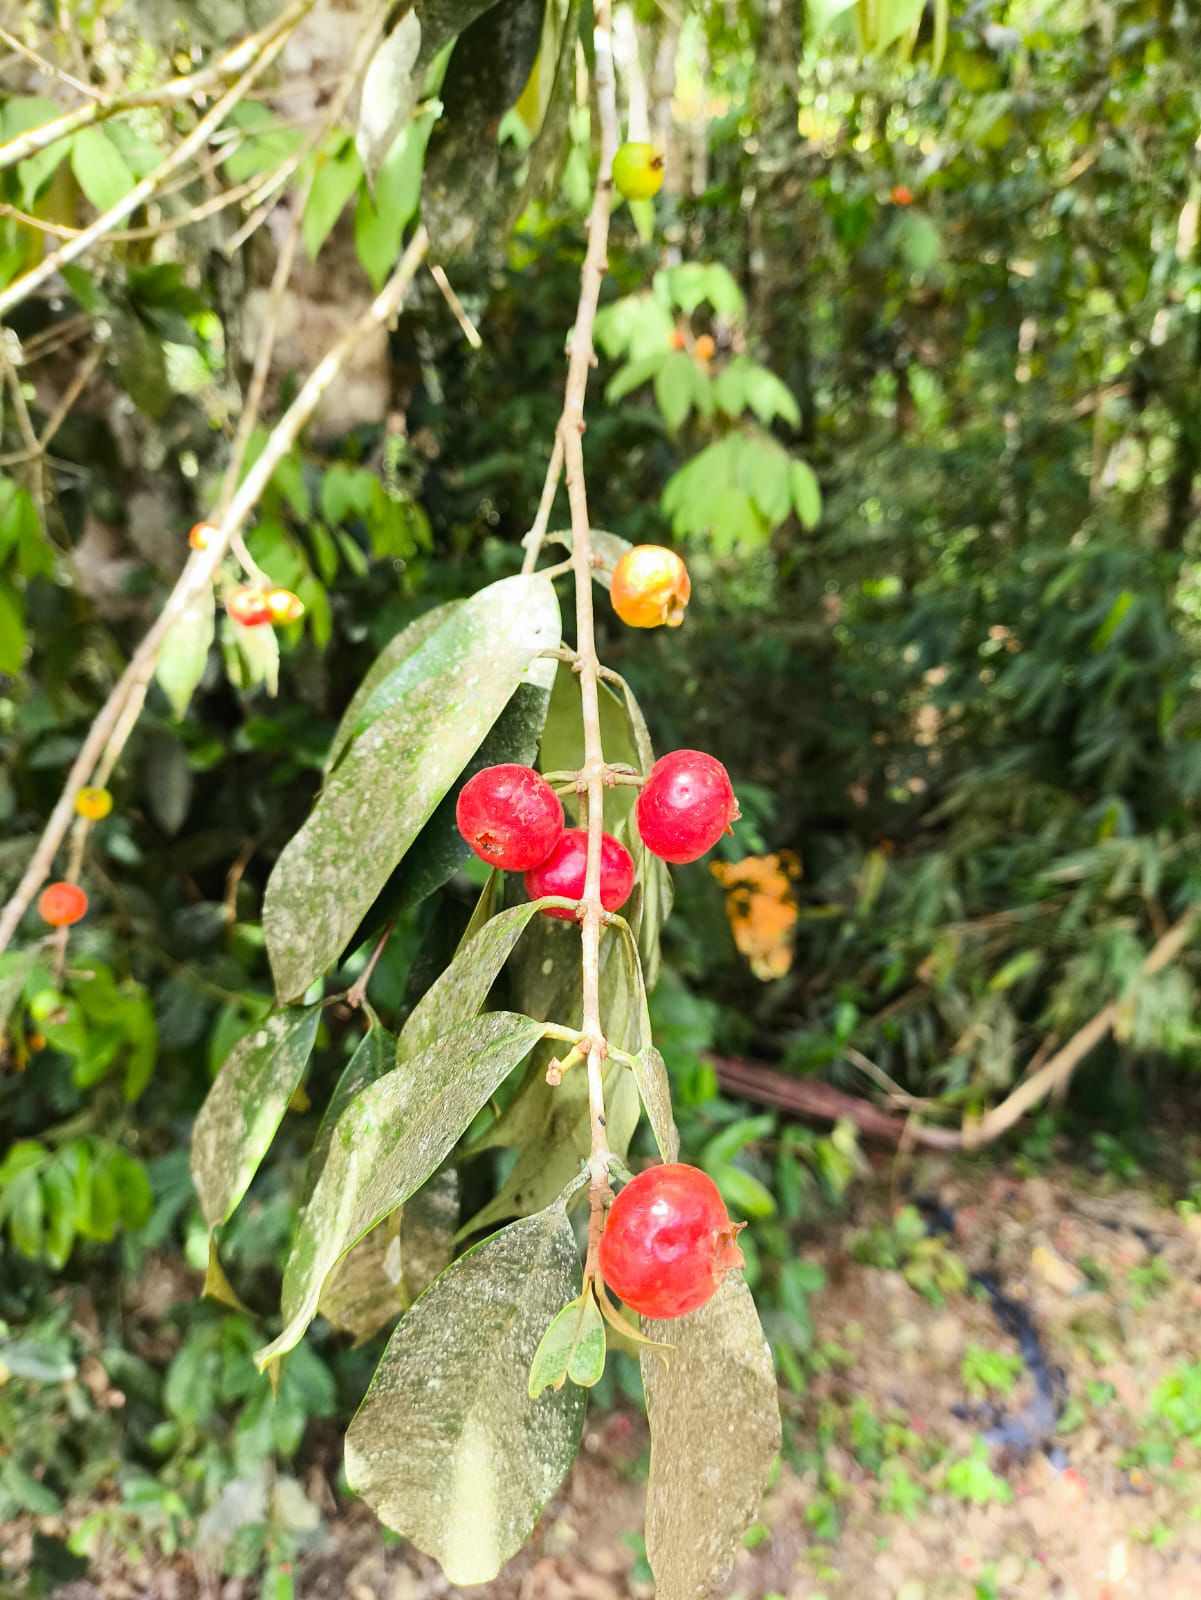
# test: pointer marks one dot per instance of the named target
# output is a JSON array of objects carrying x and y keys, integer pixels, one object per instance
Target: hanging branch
[
  {"x": 198, "y": 575},
  {"x": 569, "y": 445}
]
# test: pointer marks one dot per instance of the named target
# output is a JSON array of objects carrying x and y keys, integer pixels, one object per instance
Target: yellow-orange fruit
[{"x": 650, "y": 587}]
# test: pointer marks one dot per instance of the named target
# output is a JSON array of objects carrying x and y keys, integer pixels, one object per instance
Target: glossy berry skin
[
  {"x": 510, "y": 816},
  {"x": 201, "y": 534},
  {"x": 284, "y": 606},
  {"x": 564, "y": 869},
  {"x": 685, "y": 806},
  {"x": 668, "y": 1242},
  {"x": 61, "y": 904},
  {"x": 93, "y": 803},
  {"x": 249, "y": 607},
  {"x": 650, "y": 587},
  {"x": 637, "y": 171}
]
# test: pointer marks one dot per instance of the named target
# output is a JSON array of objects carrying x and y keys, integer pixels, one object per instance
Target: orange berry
[
  {"x": 705, "y": 347},
  {"x": 201, "y": 535},
  {"x": 249, "y": 607},
  {"x": 650, "y": 587},
  {"x": 93, "y": 803},
  {"x": 36, "y": 1041},
  {"x": 901, "y": 195},
  {"x": 61, "y": 904},
  {"x": 677, "y": 340},
  {"x": 284, "y": 605}
]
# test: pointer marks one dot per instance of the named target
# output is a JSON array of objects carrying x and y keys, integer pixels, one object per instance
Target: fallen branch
[{"x": 198, "y": 575}]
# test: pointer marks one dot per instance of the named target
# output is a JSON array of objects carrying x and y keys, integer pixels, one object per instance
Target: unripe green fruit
[{"x": 637, "y": 171}]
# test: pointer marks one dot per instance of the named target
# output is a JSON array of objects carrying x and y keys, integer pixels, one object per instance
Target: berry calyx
[
  {"x": 249, "y": 607},
  {"x": 564, "y": 870},
  {"x": 93, "y": 803},
  {"x": 668, "y": 1242},
  {"x": 284, "y": 606},
  {"x": 61, "y": 904},
  {"x": 637, "y": 171},
  {"x": 510, "y": 816},
  {"x": 901, "y": 195},
  {"x": 685, "y": 806},
  {"x": 650, "y": 587},
  {"x": 200, "y": 536}
]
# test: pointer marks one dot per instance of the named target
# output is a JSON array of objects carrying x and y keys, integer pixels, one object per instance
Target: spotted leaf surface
[
  {"x": 423, "y": 722},
  {"x": 448, "y": 1448},
  {"x": 715, "y": 1431},
  {"x": 245, "y": 1106}
]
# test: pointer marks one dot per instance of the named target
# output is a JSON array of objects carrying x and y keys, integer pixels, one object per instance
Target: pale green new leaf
[
  {"x": 387, "y": 1143},
  {"x": 448, "y": 1448},
  {"x": 427, "y": 717},
  {"x": 572, "y": 1347},
  {"x": 99, "y": 168},
  {"x": 245, "y": 1105},
  {"x": 185, "y": 651},
  {"x": 806, "y": 494},
  {"x": 715, "y": 1431}
]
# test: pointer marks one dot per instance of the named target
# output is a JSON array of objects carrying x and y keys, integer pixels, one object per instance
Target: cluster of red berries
[
  {"x": 252, "y": 607},
  {"x": 512, "y": 818}
]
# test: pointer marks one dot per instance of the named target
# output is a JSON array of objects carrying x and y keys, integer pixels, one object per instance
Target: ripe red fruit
[
  {"x": 250, "y": 607},
  {"x": 668, "y": 1242},
  {"x": 685, "y": 806},
  {"x": 564, "y": 869},
  {"x": 901, "y": 195},
  {"x": 510, "y": 816},
  {"x": 61, "y": 904}
]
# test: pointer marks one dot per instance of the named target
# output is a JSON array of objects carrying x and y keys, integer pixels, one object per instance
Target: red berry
[
  {"x": 250, "y": 607},
  {"x": 564, "y": 869},
  {"x": 510, "y": 816},
  {"x": 901, "y": 195},
  {"x": 685, "y": 806},
  {"x": 668, "y": 1242},
  {"x": 61, "y": 904}
]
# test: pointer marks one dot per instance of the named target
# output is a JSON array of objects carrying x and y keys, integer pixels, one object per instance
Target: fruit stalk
[{"x": 592, "y": 778}]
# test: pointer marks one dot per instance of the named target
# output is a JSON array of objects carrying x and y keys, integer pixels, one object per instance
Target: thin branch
[
  {"x": 199, "y": 572},
  {"x": 141, "y": 192},
  {"x": 570, "y": 446},
  {"x": 470, "y": 332},
  {"x": 357, "y": 992},
  {"x": 535, "y": 538},
  {"x": 47, "y": 68},
  {"x": 230, "y": 65}
]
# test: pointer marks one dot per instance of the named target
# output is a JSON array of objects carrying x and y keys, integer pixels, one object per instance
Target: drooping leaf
[
  {"x": 387, "y": 1143},
  {"x": 710, "y": 1460},
  {"x": 245, "y": 1106},
  {"x": 806, "y": 494},
  {"x": 185, "y": 651},
  {"x": 448, "y": 1448},
  {"x": 335, "y": 179},
  {"x": 440, "y": 703},
  {"x": 374, "y": 1055},
  {"x": 650, "y": 1074},
  {"x": 380, "y": 218}
]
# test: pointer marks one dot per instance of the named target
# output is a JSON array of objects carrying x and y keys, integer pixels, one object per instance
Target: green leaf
[
  {"x": 12, "y": 630},
  {"x": 380, "y": 219},
  {"x": 650, "y": 1074},
  {"x": 430, "y": 715},
  {"x": 245, "y": 1106},
  {"x": 461, "y": 990},
  {"x": 767, "y": 397},
  {"x": 607, "y": 547},
  {"x": 184, "y": 655},
  {"x": 448, "y": 1448},
  {"x": 709, "y": 1461},
  {"x": 572, "y": 1347},
  {"x": 100, "y": 168},
  {"x": 390, "y": 90},
  {"x": 15, "y": 967},
  {"x": 374, "y": 1055},
  {"x": 18, "y": 116},
  {"x": 387, "y": 1143},
  {"x": 679, "y": 385},
  {"x": 765, "y": 474},
  {"x": 335, "y": 178},
  {"x": 744, "y": 1192},
  {"x": 806, "y": 494},
  {"x": 642, "y": 369}
]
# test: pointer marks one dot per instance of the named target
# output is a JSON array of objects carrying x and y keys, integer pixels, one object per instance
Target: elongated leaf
[
  {"x": 650, "y": 1074},
  {"x": 245, "y": 1106},
  {"x": 448, "y": 1448},
  {"x": 374, "y": 1055},
  {"x": 709, "y": 1458},
  {"x": 185, "y": 651},
  {"x": 385, "y": 1146},
  {"x": 99, "y": 168},
  {"x": 462, "y": 989},
  {"x": 442, "y": 701}
]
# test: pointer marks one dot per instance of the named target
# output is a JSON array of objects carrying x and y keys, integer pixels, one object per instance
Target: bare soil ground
[{"x": 1075, "y": 1476}]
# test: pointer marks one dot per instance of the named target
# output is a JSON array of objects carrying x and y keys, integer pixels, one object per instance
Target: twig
[
  {"x": 198, "y": 574},
  {"x": 60, "y": 413},
  {"x": 174, "y": 91},
  {"x": 47, "y": 68},
  {"x": 570, "y": 446},
  {"x": 533, "y": 540},
  {"x": 72, "y": 249},
  {"x": 470, "y": 332},
  {"x": 152, "y": 230},
  {"x": 357, "y": 992}
]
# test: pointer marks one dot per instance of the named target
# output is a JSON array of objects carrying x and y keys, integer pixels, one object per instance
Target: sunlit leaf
[{"x": 448, "y": 1448}]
